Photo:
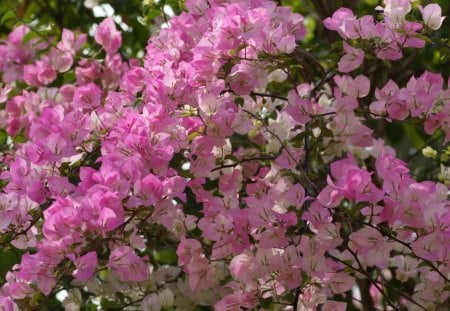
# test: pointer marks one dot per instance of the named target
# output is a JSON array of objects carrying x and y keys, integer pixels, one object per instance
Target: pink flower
[
  {"x": 8, "y": 304},
  {"x": 201, "y": 273},
  {"x": 151, "y": 188},
  {"x": 39, "y": 73},
  {"x": 242, "y": 79},
  {"x": 129, "y": 266},
  {"x": 20, "y": 290},
  {"x": 4, "y": 93},
  {"x": 241, "y": 267},
  {"x": 341, "y": 282},
  {"x": 175, "y": 187},
  {"x": 344, "y": 22},
  {"x": 384, "y": 97},
  {"x": 70, "y": 43},
  {"x": 187, "y": 250},
  {"x": 107, "y": 36},
  {"x": 85, "y": 265},
  {"x": 87, "y": 96},
  {"x": 61, "y": 61},
  {"x": 358, "y": 87},
  {"x": 371, "y": 247},
  {"x": 351, "y": 60},
  {"x": 430, "y": 246},
  {"x": 197, "y": 6}
]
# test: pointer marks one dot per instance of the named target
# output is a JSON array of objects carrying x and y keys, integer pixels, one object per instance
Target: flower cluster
[
  {"x": 386, "y": 38},
  {"x": 196, "y": 150}
]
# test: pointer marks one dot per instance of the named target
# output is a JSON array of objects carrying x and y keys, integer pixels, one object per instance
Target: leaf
[
  {"x": 424, "y": 38},
  {"x": 298, "y": 140},
  {"x": 8, "y": 257},
  {"x": 423, "y": 264},
  {"x": 165, "y": 256},
  {"x": 414, "y": 135},
  {"x": 137, "y": 102},
  {"x": 8, "y": 15},
  {"x": 3, "y": 136},
  {"x": 29, "y": 36},
  {"x": 152, "y": 14},
  {"x": 239, "y": 101},
  {"x": 265, "y": 302},
  {"x": 289, "y": 297},
  {"x": 193, "y": 135},
  {"x": 69, "y": 77},
  {"x": 121, "y": 297},
  {"x": 108, "y": 304},
  {"x": 326, "y": 132}
]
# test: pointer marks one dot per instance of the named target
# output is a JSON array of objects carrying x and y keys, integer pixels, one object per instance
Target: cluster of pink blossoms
[{"x": 196, "y": 145}]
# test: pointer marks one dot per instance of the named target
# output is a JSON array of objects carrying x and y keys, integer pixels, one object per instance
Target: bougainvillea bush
[{"x": 230, "y": 168}]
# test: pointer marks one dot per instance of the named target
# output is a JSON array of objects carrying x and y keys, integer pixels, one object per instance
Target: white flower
[
  {"x": 90, "y": 3},
  {"x": 166, "y": 298},
  {"x": 432, "y": 16},
  {"x": 73, "y": 300}
]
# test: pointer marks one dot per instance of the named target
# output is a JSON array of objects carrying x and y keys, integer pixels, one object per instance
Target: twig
[
  {"x": 241, "y": 161},
  {"x": 269, "y": 95},
  {"x": 426, "y": 261},
  {"x": 283, "y": 145}
]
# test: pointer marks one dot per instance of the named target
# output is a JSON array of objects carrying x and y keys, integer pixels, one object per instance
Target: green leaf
[
  {"x": 108, "y": 304},
  {"x": 423, "y": 264},
  {"x": 289, "y": 297},
  {"x": 298, "y": 140},
  {"x": 424, "y": 38},
  {"x": 121, "y": 297},
  {"x": 69, "y": 77},
  {"x": 7, "y": 16},
  {"x": 137, "y": 102},
  {"x": 239, "y": 101},
  {"x": 414, "y": 135},
  {"x": 193, "y": 135},
  {"x": 165, "y": 256},
  {"x": 8, "y": 257},
  {"x": 326, "y": 132},
  {"x": 19, "y": 138},
  {"x": 153, "y": 14},
  {"x": 266, "y": 302},
  {"x": 90, "y": 306},
  {"x": 37, "y": 298},
  {"x": 3, "y": 136},
  {"x": 29, "y": 36}
]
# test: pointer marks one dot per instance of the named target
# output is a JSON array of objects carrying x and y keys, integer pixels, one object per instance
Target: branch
[
  {"x": 283, "y": 145},
  {"x": 242, "y": 161},
  {"x": 390, "y": 236},
  {"x": 269, "y": 95},
  {"x": 299, "y": 55},
  {"x": 376, "y": 283},
  {"x": 24, "y": 231}
]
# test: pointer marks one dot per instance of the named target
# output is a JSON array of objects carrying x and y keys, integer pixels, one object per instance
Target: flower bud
[
  {"x": 429, "y": 152},
  {"x": 432, "y": 16}
]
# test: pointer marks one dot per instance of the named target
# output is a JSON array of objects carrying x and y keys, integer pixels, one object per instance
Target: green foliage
[{"x": 8, "y": 258}]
